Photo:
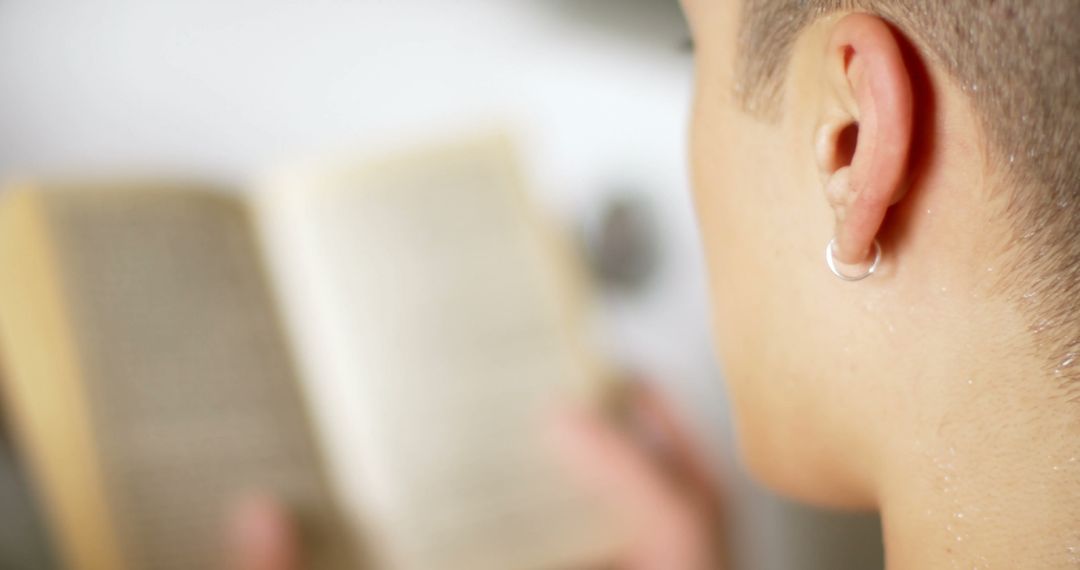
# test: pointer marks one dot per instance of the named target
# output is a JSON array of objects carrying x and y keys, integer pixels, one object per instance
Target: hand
[{"x": 655, "y": 481}]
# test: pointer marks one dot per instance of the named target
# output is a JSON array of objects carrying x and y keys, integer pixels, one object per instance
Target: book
[{"x": 376, "y": 343}]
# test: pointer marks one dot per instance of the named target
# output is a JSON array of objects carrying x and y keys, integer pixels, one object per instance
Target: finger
[
  {"x": 669, "y": 439},
  {"x": 261, "y": 536},
  {"x": 666, "y": 531}
]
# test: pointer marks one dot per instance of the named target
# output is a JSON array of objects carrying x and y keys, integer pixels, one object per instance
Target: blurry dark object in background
[
  {"x": 659, "y": 23},
  {"x": 23, "y": 543},
  {"x": 623, "y": 246}
]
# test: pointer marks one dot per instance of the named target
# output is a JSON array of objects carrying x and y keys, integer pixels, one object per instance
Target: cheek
[
  {"x": 730, "y": 178},
  {"x": 759, "y": 224}
]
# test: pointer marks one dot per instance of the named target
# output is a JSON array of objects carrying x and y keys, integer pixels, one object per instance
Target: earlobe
[{"x": 865, "y": 133}]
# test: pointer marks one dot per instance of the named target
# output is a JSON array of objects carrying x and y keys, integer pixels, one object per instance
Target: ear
[{"x": 865, "y": 130}]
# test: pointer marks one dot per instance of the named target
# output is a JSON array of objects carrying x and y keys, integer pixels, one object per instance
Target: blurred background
[{"x": 595, "y": 93}]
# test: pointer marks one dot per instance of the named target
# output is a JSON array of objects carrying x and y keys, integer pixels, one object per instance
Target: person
[{"x": 889, "y": 198}]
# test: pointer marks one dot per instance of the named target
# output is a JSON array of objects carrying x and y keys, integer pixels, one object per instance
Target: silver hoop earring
[{"x": 830, "y": 259}]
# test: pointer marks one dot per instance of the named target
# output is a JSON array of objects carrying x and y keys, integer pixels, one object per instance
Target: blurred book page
[
  {"x": 434, "y": 318},
  {"x": 190, "y": 389}
]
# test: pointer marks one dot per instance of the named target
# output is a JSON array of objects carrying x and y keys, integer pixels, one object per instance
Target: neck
[{"x": 990, "y": 480}]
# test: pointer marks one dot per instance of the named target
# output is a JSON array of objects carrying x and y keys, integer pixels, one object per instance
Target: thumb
[
  {"x": 668, "y": 441},
  {"x": 666, "y": 525},
  {"x": 261, "y": 537}
]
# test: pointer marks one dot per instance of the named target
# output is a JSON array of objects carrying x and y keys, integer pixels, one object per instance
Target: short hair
[{"x": 1019, "y": 63}]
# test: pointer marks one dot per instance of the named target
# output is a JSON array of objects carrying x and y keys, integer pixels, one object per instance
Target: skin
[
  {"x": 920, "y": 392},
  {"x": 261, "y": 536}
]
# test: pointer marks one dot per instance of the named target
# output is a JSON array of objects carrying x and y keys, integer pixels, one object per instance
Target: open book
[{"x": 376, "y": 344}]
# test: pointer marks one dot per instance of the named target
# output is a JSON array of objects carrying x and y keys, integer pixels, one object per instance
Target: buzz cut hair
[{"x": 1018, "y": 62}]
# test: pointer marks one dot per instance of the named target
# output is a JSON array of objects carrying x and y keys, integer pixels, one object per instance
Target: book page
[
  {"x": 435, "y": 322},
  {"x": 190, "y": 388}
]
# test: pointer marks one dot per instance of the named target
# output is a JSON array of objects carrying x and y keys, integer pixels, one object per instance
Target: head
[{"x": 944, "y": 130}]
